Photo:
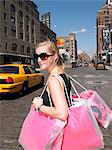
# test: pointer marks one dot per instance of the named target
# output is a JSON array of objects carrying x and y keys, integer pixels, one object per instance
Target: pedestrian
[
  {"x": 58, "y": 92},
  {"x": 49, "y": 59},
  {"x": 52, "y": 105}
]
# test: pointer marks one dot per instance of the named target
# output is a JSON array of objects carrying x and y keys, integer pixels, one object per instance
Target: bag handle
[
  {"x": 74, "y": 88},
  {"x": 62, "y": 81},
  {"x": 77, "y": 82},
  {"x": 44, "y": 89}
]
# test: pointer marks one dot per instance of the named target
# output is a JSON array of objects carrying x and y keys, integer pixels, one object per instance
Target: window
[
  {"x": 27, "y": 28},
  {"x": 33, "y": 70},
  {"x": 20, "y": 16},
  {"x": 5, "y": 17},
  {"x": 21, "y": 25},
  {"x": 5, "y": 30},
  {"x": 6, "y": 47},
  {"x": 22, "y": 49},
  {"x": 13, "y": 32},
  {"x": 32, "y": 13},
  {"x": 28, "y": 49},
  {"x": 12, "y": 7},
  {"x": 20, "y": 13},
  {"x": 14, "y": 47},
  {"x": 32, "y": 39},
  {"x": 21, "y": 35},
  {"x": 32, "y": 31},
  {"x": 20, "y": 2},
  {"x": 9, "y": 69},
  {"x": 13, "y": 20},
  {"x": 27, "y": 18},
  {"x": 32, "y": 22},
  {"x": 4, "y": 3},
  {"x": 111, "y": 37},
  {"x": 27, "y": 70},
  {"x": 27, "y": 38},
  {"x": 27, "y": 9}
]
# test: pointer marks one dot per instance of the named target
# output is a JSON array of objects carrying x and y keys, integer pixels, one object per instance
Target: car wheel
[
  {"x": 24, "y": 88},
  {"x": 104, "y": 67}
]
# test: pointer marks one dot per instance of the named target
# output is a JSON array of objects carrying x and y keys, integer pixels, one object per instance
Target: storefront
[{"x": 7, "y": 58}]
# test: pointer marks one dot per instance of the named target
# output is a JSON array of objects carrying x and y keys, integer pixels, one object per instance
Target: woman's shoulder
[
  {"x": 55, "y": 79},
  {"x": 58, "y": 76}
]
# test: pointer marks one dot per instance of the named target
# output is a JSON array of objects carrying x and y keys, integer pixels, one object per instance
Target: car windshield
[
  {"x": 9, "y": 69},
  {"x": 100, "y": 61}
]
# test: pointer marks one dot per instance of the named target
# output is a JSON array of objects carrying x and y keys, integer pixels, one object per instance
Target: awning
[{"x": 11, "y": 54}]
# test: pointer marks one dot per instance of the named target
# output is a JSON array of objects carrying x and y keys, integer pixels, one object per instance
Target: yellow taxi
[{"x": 18, "y": 78}]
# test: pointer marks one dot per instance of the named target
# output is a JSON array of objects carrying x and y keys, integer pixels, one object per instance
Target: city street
[{"x": 13, "y": 111}]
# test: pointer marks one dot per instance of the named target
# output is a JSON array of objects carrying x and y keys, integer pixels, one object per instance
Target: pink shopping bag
[
  {"x": 82, "y": 131},
  {"x": 101, "y": 110},
  {"x": 39, "y": 131}
]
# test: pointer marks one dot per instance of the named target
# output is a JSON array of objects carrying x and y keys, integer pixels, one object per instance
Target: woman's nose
[{"x": 39, "y": 59}]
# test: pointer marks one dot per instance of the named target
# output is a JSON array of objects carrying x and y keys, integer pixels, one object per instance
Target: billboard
[
  {"x": 106, "y": 39},
  {"x": 60, "y": 43}
]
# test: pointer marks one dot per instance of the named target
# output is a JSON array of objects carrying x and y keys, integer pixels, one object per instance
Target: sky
[{"x": 77, "y": 16}]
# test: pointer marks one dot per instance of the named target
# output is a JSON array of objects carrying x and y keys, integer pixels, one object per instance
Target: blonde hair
[{"x": 52, "y": 48}]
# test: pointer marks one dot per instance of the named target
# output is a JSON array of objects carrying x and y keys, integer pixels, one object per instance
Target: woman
[
  {"x": 55, "y": 102},
  {"x": 49, "y": 59}
]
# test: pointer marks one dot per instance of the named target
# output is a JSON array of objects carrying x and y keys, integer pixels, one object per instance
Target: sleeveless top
[{"x": 45, "y": 96}]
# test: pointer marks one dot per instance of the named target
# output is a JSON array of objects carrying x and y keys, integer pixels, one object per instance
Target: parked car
[
  {"x": 18, "y": 78},
  {"x": 99, "y": 64},
  {"x": 74, "y": 64}
]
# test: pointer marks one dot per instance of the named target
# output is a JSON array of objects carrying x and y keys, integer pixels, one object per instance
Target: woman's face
[{"x": 46, "y": 59}]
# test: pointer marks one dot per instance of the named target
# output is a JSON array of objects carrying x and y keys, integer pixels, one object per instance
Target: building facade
[
  {"x": 104, "y": 30},
  {"x": 46, "y": 19},
  {"x": 73, "y": 46},
  {"x": 46, "y": 33},
  {"x": 69, "y": 43},
  {"x": 20, "y": 31}
]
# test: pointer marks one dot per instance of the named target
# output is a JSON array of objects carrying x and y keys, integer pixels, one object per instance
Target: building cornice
[{"x": 15, "y": 55}]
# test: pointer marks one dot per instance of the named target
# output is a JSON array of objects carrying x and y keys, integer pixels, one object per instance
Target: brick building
[
  {"x": 20, "y": 30},
  {"x": 70, "y": 45},
  {"x": 104, "y": 30}
]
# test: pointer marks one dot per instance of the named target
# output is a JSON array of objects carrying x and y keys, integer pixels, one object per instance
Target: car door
[
  {"x": 29, "y": 76},
  {"x": 37, "y": 76}
]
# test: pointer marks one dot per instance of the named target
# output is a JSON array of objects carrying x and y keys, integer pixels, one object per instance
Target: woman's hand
[{"x": 37, "y": 101}]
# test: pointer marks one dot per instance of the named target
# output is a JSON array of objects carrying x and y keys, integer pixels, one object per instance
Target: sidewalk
[{"x": 109, "y": 67}]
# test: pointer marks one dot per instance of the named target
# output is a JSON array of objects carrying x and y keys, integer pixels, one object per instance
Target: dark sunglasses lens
[{"x": 43, "y": 56}]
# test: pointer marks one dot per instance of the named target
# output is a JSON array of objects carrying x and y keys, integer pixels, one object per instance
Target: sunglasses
[{"x": 43, "y": 56}]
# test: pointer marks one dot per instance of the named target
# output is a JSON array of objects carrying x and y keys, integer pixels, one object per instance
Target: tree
[{"x": 64, "y": 58}]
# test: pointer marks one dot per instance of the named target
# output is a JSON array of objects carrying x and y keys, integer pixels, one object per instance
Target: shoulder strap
[
  {"x": 77, "y": 82},
  {"x": 48, "y": 93},
  {"x": 62, "y": 82},
  {"x": 44, "y": 89}
]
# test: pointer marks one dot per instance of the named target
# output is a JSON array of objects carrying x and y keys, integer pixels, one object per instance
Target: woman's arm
[{"x": 60, "y": 109}]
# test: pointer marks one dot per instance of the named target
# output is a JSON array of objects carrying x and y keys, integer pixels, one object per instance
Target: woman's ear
[{"x": 55, "y": 56}]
